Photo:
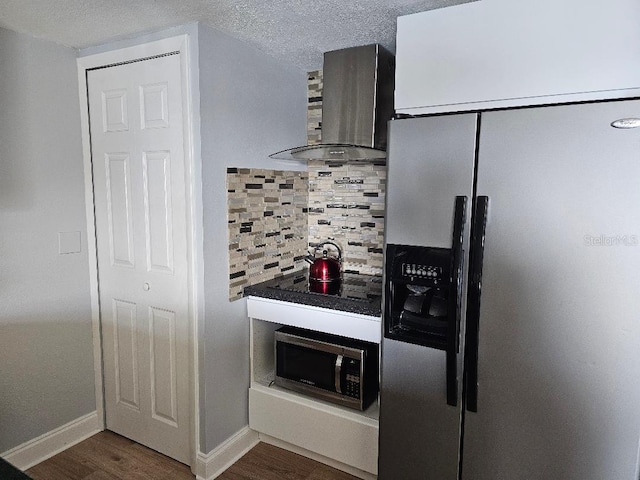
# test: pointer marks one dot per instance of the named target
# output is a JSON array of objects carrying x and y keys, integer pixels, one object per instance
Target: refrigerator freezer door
[
  {"x": 431, "y": 161},
  {"x": 559, "y": 362}
]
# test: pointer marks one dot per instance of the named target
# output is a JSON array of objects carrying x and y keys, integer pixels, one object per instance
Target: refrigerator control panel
[{"x": 418, "y": 270}]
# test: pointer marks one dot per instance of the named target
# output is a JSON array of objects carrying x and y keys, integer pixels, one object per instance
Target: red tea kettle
[{"x": 325, "y": 268}]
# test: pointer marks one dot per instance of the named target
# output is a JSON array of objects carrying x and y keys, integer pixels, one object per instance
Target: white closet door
[{"x": 139, "y": 186}]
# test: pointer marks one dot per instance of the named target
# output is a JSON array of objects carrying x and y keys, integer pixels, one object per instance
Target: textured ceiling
[{"x": 298, "y": 31}]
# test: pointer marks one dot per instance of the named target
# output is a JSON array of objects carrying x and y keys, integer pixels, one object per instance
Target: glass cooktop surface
[
  {"x": 353, "y": 286},
  {"x": 355, "y": 293}
]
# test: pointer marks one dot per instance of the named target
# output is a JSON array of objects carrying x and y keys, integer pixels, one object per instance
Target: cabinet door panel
[{"x": 494, "y": 53}]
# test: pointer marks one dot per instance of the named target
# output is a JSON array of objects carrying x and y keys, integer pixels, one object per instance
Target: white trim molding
[
  {"x": 51, "y": 443},
  {"x": 212, "y": 464},
  {"x": 193, "y": 180}
]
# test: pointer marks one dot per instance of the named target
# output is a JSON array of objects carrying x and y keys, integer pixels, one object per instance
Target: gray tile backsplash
[
  {"x": 267, "y": 225},
  {"x": 314, "y": 107},
  {"x": 346, "y": 206}
]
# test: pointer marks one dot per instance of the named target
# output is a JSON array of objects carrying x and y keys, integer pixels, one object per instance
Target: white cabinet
[
  {"x": 502, "y": 53},
  {"x": 340, "y": 436}
]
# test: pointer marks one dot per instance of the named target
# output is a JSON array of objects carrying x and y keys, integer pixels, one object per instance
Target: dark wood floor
[{"x": 108, "y": 456}]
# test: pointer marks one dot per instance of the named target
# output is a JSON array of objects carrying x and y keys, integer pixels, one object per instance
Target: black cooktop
[{"x": 355, "y": 292}]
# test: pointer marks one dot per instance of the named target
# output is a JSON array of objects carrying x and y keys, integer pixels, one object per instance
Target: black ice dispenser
[
  {"x": 423, "y": 295},
  {"x": 418, "y": 286}
]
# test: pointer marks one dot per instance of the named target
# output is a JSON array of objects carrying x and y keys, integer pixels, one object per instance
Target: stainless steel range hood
[{"x": 357, "y": 103}]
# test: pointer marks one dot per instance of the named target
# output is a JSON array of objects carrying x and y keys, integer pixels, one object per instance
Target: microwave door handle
[{"x": 338, "y": 372}]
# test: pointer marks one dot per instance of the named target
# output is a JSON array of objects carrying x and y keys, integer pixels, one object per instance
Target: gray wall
[
  {"x": 250, "y": 106},
  {"x": 46, "y": 350},
  {"x": 247, "y": 106}
]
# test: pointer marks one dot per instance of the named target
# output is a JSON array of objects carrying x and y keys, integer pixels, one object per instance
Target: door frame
[{"x": 193, "y": 190}]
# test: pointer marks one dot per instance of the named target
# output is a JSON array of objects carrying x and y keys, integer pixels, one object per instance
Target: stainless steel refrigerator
[{"x": 511, "y": 345}]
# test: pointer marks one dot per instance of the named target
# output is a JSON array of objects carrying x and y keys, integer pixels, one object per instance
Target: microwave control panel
[{"x": 351, "y": 385}]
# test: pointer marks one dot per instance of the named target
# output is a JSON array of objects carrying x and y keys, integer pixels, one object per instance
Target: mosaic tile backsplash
[
  {"x": 346, "y": 206},
  {"x": 314, "y": 107},
  {"x": 267, "y": 225},
  {"x": 277, "y": 217}
]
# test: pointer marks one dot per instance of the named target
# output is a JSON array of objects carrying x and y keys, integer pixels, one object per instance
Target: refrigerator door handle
[
  {"x": 455, "y": 299},
  {"x": 473, "y": 303}
]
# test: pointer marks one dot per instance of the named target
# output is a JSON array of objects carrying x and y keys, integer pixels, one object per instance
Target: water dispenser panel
[
  {"x": 417, "y": 294},
  {"x": 417, "y": 270}
]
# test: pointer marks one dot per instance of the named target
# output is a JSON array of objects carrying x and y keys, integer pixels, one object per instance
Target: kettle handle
[{"x": 335, "y": 245}]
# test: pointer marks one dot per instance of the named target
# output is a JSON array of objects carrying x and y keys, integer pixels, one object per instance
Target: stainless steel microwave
[{"x": 337, "y": 369}]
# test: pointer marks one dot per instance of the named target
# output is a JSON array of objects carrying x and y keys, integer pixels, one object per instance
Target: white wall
[
  {"x": 251, "y": 106},
  {"x": 46, "y": 350}
]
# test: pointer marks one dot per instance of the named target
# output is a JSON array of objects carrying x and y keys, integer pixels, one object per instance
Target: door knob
[{"x": 146, "y": 287}]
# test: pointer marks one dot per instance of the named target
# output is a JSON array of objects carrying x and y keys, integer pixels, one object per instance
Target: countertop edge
[
  {"x": 372, "y": 309},
  {"x": 288, "y": 303}
]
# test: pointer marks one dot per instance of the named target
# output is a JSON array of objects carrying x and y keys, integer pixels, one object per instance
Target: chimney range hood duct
[{"x": 357, "y": 103}]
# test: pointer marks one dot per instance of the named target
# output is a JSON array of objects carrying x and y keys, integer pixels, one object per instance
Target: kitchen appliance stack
[{"x": 511, "y": 310}]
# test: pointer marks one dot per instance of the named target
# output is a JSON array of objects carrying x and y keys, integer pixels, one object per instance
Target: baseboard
[
  {"x": 356, "y": 472},
  {"x": 51, "y": 443},
  {"x": 212, "y": 464}
]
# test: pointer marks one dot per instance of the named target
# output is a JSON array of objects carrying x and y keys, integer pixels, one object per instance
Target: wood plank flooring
[
  {"x": 108, "y": 456},
  {"x": 266, "y": 462}
]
